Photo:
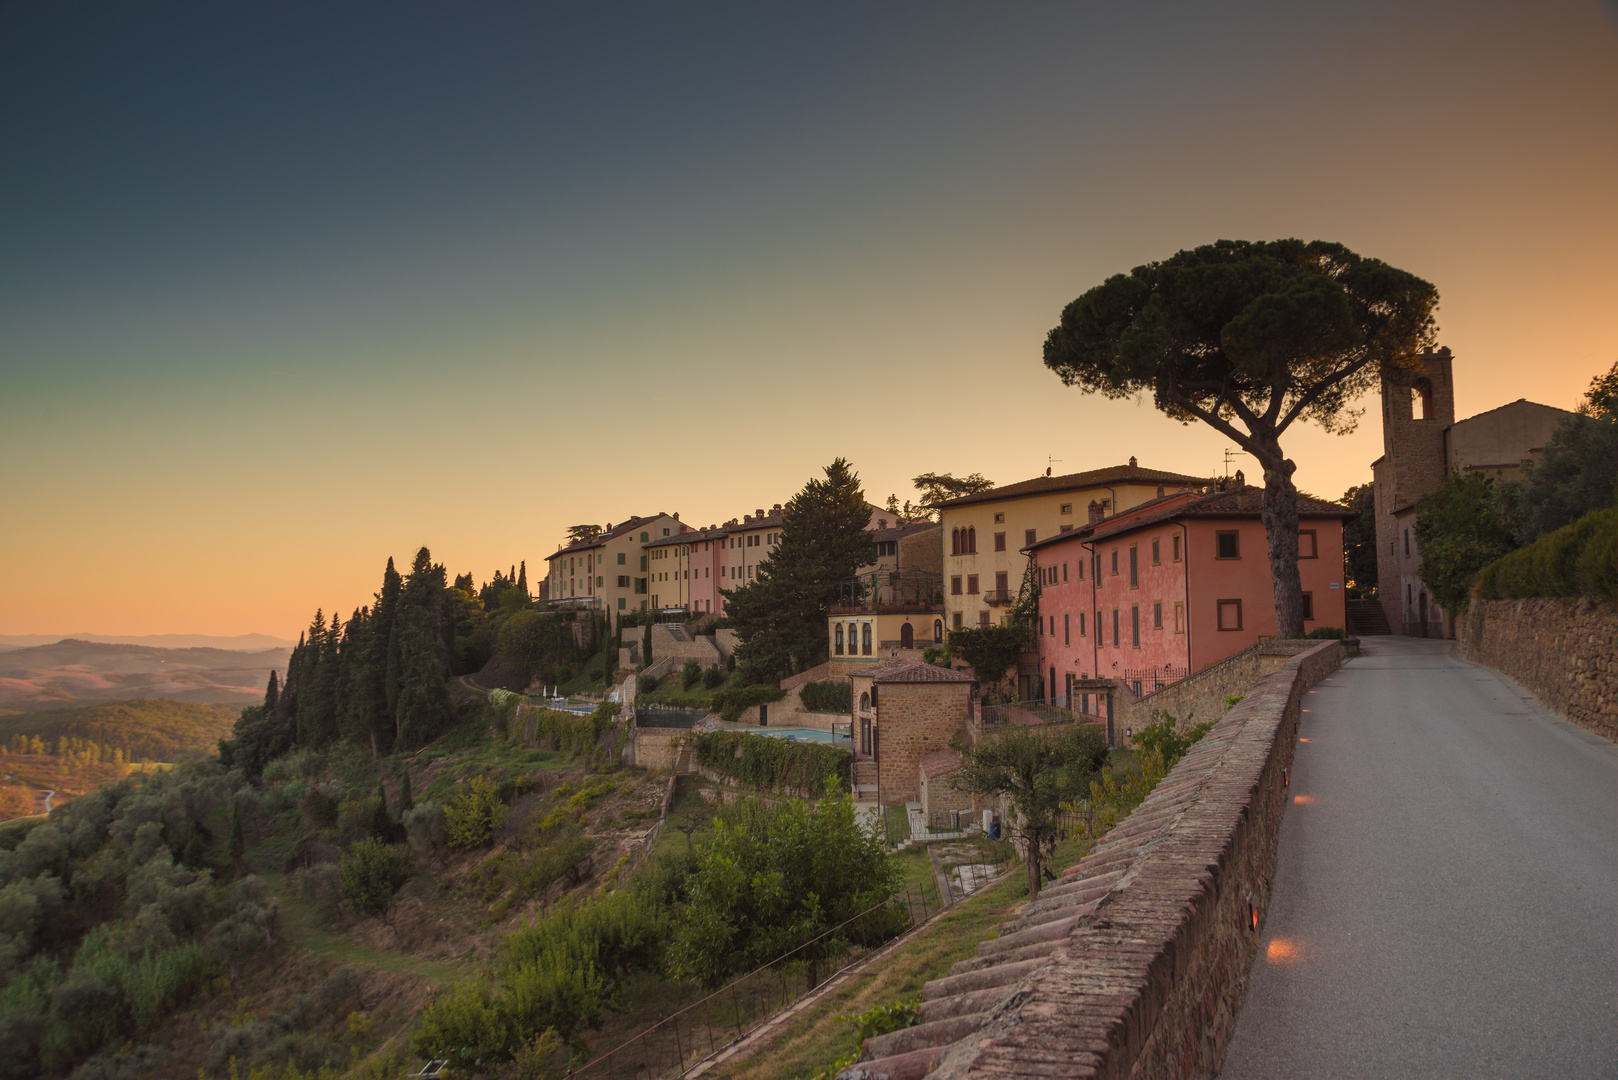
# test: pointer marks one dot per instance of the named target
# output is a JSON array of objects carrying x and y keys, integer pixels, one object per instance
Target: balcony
[{"x": 999, "y": 597}]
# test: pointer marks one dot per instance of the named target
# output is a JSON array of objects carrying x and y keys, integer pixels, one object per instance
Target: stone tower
[{"x": 1418, "y": 407}]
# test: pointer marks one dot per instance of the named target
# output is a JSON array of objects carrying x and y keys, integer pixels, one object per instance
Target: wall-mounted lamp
[{"x": 1286, "y": 778}]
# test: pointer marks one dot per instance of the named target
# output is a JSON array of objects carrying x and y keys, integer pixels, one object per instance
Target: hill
[
  {"x": 155, "y": 729},
  {"x": 236, "y": 642},
  {"x": 71, "y": 671}
]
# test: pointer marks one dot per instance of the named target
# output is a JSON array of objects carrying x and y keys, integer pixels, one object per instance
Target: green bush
[
  {"x": 712, "y": 677},
  {"x": 572, "y": 734},
  {"x": 1575, "y": 560},
  {"x": 690, "y": 674},
  {"x": 730, "y": 704},
  {"x": 1333, "y": 632},
  {"x": 834, "y": 696},
  {"x": 474, "y": 813},
  {"x": 772, "y": 764},
  {"x": 1168, "y": 739},
  {"x": 371, "y": 872},
  {"x": 645, "y": 684}
]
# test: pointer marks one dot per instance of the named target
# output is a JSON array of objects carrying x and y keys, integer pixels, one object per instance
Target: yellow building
[
  {"x": 982, "y": 535},
  {"x": 611, "y": 570}
]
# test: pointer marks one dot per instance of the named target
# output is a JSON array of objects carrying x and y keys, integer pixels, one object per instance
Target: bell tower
[{"x": 1418, "y": 407}]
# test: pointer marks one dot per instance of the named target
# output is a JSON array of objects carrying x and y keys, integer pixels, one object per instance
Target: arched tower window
[
  {"x": 1421, "y": 399},
  {"x": 972, "y": 540},
  {"x": 955, "y": 541},
  {"x": 865, "y": 703},
  {"x": 865, "y": 638},
  {"x": 839, "y": 646}
]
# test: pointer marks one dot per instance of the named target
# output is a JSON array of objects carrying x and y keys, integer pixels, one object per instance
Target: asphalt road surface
[{"x": 1446, "y": 903}]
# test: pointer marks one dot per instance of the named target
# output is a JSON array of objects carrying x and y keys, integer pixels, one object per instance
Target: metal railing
[
  {"x": 996, "y": 597},
  {"x": 1024, "y": 713},
  {"x": 675, "y": 1043}
]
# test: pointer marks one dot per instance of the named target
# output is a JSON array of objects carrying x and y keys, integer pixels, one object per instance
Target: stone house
[
  {"x": 904, "y": 710},
  {"x": 938, "y": 794},
  {"x": 610, "y": 571}
]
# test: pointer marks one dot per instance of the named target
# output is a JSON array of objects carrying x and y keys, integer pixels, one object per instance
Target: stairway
[
  {"x": 865, "y": 781},
  {"x": 1366, "y": 618}
]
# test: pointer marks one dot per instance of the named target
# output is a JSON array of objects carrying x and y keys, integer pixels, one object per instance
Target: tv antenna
[
  {"x": 1050, "y": 461},
  {"x": 1229, "y": 455}
]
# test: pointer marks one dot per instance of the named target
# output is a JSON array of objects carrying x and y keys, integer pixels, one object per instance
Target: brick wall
[
  {"x": 1201, "y": 696},
  {"x": 1562, "y": 650},
  {"x": 914, "y": 719},
  {"x": 1136, "y": 963}
]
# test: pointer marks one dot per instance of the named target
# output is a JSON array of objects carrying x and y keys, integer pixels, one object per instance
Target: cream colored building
[
  {"x": 612, "y": 570},
  {"x": 982, "y": 535}
]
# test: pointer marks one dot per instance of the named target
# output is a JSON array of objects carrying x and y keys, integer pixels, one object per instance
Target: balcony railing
[{"x": 999, "y": 597}]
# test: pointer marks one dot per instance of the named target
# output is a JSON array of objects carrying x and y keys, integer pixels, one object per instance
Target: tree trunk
[
  {"x": 1036, "y": 864},
  {"x": 1280, "y": 516}
]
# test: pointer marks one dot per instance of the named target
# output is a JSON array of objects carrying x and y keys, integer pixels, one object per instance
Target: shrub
[
  {"x": 371, "y": 873},
  {"x": 1575, "y": 560},
  {"x": 1166, "y": 738},
  {"x": 712, "y": 677},
  {"x": 645, "y": 684},
  {"x": 424, "y": 825},
  {"x": 690, "y": 673},
  {"x": 772, "y": 764},
  {"x": 730, "y": 704},
  {"x": 834, "y": 696},
  {"x": 473, "y": 814}
]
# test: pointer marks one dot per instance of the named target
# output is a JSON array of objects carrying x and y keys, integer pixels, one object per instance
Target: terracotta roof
[
  {"x": 912, "y": 671},
  {"x": 1243, "y": 501},
  {"x": 939, "y": 762},
  {"x": 1113, "y": 474},
  {"x": 909, "y": 528}
]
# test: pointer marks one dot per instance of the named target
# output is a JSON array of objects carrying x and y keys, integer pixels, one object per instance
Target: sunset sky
[{"x": 285, "y": 291}]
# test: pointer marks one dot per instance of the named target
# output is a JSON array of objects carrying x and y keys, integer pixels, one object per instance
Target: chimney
[
  {"x": 748, "y": 518},
  {"x": 1131, "y": 462},
  {"x": 1095, "y": 512},
  {"x": 777, "y": 508},
  {"x": 675, "y": 515},
  {"x": 758, "y": 513},
  {"x": 1240, "y": 479}
]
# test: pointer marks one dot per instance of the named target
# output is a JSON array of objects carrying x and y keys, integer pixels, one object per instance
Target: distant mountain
[
  {"x": 74, "y": 671},
  {"x": 241, "y": 642}
]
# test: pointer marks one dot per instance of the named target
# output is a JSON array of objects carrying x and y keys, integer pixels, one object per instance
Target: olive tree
[{"x": 1249, "y": 338}]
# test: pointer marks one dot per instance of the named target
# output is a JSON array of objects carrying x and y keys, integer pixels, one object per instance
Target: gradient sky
[{"x": 287, "y": 290}]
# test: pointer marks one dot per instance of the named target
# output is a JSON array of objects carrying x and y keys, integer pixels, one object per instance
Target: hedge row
[
  {"x": 1576, "y": 560},
  {"x": 836, "y": 696},
  {"x": 771, "y": 764}
]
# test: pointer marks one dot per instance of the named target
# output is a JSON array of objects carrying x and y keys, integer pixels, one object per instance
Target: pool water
[{"x": 801, "y": 734}]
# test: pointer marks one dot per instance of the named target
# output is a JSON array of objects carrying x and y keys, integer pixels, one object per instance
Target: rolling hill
[{"x": 72, "y": 671}]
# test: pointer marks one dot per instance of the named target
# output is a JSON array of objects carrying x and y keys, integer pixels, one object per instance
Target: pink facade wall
[{"x": 1071, "y": 642}]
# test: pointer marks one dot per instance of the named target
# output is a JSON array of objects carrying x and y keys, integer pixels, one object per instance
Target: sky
[{"x": 289, "y": 289}]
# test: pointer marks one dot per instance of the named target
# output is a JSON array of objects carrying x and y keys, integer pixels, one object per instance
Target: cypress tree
[
  {"x": 405, "y": 801},
  {"x": 272, "y": 694},
  {"x": 522, "y": 578},
  {"x": 646, "y": 643},
  {"x": 381, "y": 823},
  {"x": 424, "y": 707},
  {"x": 380, "y": 679}
]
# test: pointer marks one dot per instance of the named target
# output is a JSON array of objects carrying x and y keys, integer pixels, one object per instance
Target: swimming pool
[{"x": 800, "y": 734}]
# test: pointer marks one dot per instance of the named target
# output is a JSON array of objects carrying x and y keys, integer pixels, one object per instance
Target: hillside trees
[
  {"x": 780, "y": 616},
  {"x": 1460, "y": 532},
  {"x": 1359, "y": 542},
  {"x": 1249, "y": 338}
]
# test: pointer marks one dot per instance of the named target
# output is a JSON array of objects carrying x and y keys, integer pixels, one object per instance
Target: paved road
[{"x": 1446, "y": 903}]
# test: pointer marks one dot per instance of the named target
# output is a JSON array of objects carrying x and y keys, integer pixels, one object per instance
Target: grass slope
[{"x": 158, "y": 729}]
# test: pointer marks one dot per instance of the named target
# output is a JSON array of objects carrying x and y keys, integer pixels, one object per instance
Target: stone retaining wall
[
  {"x": 1201, "y": 696},
  {"x": 1565, "y": 651},
  {"x": 1135, "y": 963}
]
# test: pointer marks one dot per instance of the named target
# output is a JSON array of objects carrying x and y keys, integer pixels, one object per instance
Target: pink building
[{"x": 1173, "y": 585}]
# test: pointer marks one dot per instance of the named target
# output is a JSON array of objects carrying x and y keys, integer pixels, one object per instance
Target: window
[
  {"x": 644, "y": 537},
  {"x": 1306, "y": 544},
  {"x": 837, "y": 640},
  {"x": 865, "y": 703},
  {"x": 1064, "y": 573},
  {"x": 621, "y": 604},
  {"x": 1079, "y": 566},
  {"x": 1179, "y": 617},
  {"x": 1134, "y": 566},
  {"x": 1421, "y": 400},
  {"x": 1174, "y": 546},
  {"x": 643, "y": 564},
  {"x": 1115, "y": 628},
  {"x": 1028, "y": 538},
  {"x": 1156, "y": 551},
  {"x": 623, "y": 581},
  {"x": 1000, "y": 583},
  {"x": 1067, "y": 508},
  {"x": 1067, "y": 630},
  {"x": 971, "y": 540},
  {"x": 1114, "y": 562},
  {"x": 999, "y": 541},
  {"x": 1081, "y": 624},
  {"x": 1157, "y": 614},
  {"x": 999, "y": 519},
  {"x": 865, "y": 638},
  {"x": 955, "y": 585},
  {"x": 665, "y": 532},
  {"x": 957, "y": 623},
  {"x": 983, "y": 618},
  {"x": 1228, "y": 545},
  {"x": 600, "y": 581},
  {"x": 955, "y": 541},
  {"x": 620, "y": 558},
  {"x": 1134, "y": 625},
  {"x": 938, "y": 631},
  {"x": 1230, "y": 614},
  {"x": 1053, "y": 626},
  {"x": 1407, "y": 543},
  {"x": 971, "y": 584},
  {"x": 1308, "y": 605}
]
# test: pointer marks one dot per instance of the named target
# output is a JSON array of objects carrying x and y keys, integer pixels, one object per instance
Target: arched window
[
  {"x": 1421, "y": 399},
  {"x": 865, "y": 638},
  {"x": 839, "y": 639},
  {"x": 865, "y": 703},
  {"x": 972, "y": 540},
  {"x": 907, "y": 637},
  {"x": 955, "y": 541},
  {"x": 938, "y": 631}
]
